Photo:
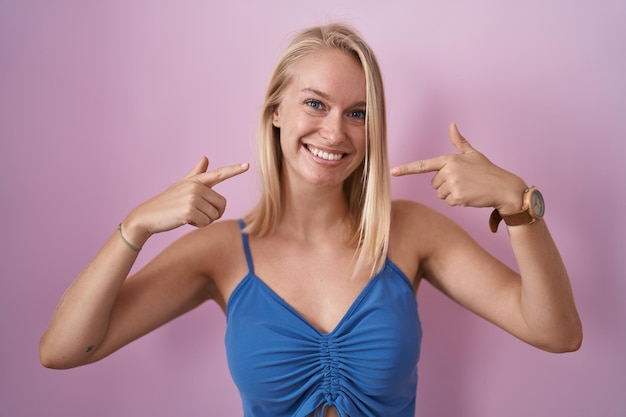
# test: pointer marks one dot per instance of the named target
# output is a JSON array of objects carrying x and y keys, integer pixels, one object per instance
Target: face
[{"x": 322, "y": 119}]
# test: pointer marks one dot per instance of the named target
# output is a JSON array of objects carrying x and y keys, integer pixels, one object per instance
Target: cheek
[
  {"x": 305, "y": 124},
  {"x": 358, "y": 140},
  {"x": 296, "y": 126}
]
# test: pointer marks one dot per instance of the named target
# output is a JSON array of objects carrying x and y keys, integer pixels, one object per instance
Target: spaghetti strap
[{"x": 246, "y": 247}]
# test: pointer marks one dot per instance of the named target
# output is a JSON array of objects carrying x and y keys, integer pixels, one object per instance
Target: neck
[{"x": 314, "y": 212}]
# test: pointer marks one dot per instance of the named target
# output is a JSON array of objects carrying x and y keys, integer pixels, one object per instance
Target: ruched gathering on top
[{"x": 285, "y": 367}]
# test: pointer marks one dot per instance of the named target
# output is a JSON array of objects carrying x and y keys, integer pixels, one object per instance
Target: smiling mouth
[{"x": 325, "y": 155}]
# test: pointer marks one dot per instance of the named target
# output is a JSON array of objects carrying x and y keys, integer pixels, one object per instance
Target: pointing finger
[
  {"x": 216, "y": 176},
  {"x": 420, "y": 167},
  {"x": 459, "y": 142}
]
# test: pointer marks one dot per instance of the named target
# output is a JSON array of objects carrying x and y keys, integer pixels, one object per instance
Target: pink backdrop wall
[{"x": 103, "y": 104}]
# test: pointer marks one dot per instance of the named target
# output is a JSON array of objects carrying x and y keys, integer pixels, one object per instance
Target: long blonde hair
[{"x": 367, "y": 189}]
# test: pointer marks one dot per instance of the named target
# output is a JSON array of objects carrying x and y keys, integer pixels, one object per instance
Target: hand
[
  {"x": 468, "y": 178},
  {"x": 191, "y": 200}
]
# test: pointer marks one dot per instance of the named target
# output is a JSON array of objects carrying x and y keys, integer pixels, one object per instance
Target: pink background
[{"x": 104, "y": 104}]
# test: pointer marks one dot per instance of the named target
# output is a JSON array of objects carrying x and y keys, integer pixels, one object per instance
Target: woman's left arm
[
  {"x": 546, "y": 298},
  {"x": 536, "y": 305}
]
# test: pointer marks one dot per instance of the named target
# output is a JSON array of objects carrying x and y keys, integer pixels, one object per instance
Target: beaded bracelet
[{"x": 130, "y": 245}]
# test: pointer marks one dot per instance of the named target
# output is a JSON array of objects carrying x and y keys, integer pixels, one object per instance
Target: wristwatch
[{"x": 533, "y": 209}]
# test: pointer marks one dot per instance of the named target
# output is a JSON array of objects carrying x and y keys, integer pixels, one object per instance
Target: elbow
[
  {"x": 575, "y": 339},
  {"x": 573, "y": 343},
  {"x": 565, "y": 346},
  {"x": 567, "y": 343},
  {"x": 46, "y": 359},
  {"x": 50, "y": 358},
  {"x": 49, "y": 361}
]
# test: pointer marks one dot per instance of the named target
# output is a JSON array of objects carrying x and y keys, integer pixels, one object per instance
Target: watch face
[{"x": 536, "y": 204}]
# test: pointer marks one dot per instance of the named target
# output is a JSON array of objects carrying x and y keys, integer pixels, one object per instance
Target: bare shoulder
[
  {"x": 219, "y": 251},
  {"x": 208, "y": 259},
  {"x": 407, "y": 212},
  {"x": 204, "y": 245},
  {"x": 410, "y": 219},
  {"x": 217, "y": 245},
  {"x": 218, "y": 237},
  {"x": 418, "y": 232}
]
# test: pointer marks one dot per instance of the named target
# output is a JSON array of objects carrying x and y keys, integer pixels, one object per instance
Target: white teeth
[{"x": 325, "y": 155}]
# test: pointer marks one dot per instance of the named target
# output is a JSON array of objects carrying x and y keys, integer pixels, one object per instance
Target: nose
[{"x": 333, "y": 128}]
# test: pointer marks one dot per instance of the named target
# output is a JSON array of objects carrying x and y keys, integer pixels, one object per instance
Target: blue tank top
[{"x": 285, "y": 367}]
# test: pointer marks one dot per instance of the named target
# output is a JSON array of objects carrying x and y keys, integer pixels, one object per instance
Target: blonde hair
[{"x": 367, "y": 189}]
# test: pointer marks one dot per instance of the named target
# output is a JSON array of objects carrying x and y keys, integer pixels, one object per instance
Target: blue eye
[
  {"x": 314, "y": 104},
  {"x": 357, "y": 114}
]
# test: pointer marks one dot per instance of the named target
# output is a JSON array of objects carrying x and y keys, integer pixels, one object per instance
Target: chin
[{"x": 326, "y": 181}]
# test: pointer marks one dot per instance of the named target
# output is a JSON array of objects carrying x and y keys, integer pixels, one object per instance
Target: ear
[{"x": 276, "y": 118}]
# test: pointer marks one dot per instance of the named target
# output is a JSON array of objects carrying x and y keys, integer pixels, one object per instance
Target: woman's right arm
[{"x": 102, "y": 310}]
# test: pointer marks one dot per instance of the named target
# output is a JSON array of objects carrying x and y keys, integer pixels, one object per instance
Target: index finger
[
  {"x": 214, "y": 177},
  {"x": 419, "y": 167}
]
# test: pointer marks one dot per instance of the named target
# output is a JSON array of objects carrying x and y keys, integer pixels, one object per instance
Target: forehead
[{"x": 332, "y": 71}]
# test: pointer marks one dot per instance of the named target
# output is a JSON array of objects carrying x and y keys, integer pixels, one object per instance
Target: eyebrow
[{"x": 327, "y": 97}]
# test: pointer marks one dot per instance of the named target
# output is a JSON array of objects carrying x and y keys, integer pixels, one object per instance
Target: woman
[{"x": 318, "y": 282}]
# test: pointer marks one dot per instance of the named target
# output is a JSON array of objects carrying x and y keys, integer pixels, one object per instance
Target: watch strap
[{"x": 518, "y": 219}]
